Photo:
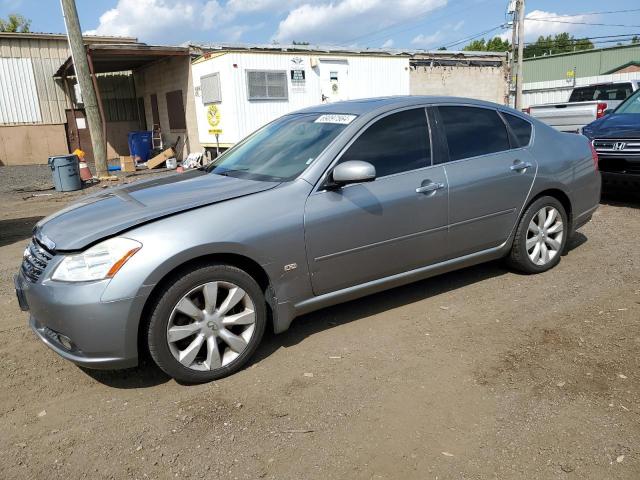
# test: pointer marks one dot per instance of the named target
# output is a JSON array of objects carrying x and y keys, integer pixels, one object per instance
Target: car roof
[{"x": 380, "y": 104}]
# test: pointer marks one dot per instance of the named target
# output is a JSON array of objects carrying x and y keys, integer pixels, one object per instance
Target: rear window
[
  {"x": 473, "y": 131},
  {"x": 618, "y": 91},
  {"x": 521, "y": 128}
]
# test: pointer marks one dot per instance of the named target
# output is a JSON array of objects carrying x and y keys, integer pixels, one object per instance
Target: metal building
[
  {"x": 34, "y": 106},
  {"x": 584, "y": 63}
]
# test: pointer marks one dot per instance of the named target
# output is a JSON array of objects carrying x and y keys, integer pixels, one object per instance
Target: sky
[{"x": 397, "y": 24}]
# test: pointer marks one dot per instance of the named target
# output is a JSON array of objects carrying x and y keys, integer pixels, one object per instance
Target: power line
[
  {"x": 472, "y": 37},
  {"x": 594, "y": 13},
  {"x": 621, "y": 37},
  {"x": 582, "y": 23}
]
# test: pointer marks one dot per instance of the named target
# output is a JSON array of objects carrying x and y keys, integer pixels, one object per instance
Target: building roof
[
  {"x": 334, "y": 49},
  {"x": 122, "y": 57},
  {"x": 63, "y": 36}
]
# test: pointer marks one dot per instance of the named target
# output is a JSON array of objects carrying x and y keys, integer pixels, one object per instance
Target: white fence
[{"x": 558, "y": 91}]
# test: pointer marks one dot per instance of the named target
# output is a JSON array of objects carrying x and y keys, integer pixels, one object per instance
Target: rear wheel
[
  {"x": 541, "y": 236},
  {"x": 207, "y": 324}
]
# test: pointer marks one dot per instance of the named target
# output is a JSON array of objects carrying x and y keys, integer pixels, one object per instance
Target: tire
[
  {"x": 520, "y": 257},
  {"x": 187, "y": 294}
]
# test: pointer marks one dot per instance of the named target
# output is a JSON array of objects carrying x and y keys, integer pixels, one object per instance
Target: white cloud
[
  {"x": 341, "y": 21},
  {"x": 458, "y": 26},
  {"x": 388, "y": 43},
  {"x": 534, "y": 29},
  {"x": 426, "y": 41},
  {"x": 156, "y": 20}
]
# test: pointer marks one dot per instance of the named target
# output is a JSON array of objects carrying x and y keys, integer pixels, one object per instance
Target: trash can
[
  {"x": 65, "y": 172},
  {"x": 140, "y": 144}
]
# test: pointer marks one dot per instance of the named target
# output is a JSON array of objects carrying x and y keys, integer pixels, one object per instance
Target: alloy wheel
[
  {"x": 211, "y": 326},
  {"x": 544, "y": 236}
]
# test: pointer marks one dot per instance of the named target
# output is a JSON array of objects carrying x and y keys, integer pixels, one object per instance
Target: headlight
[{"x": 100, "y": 261}]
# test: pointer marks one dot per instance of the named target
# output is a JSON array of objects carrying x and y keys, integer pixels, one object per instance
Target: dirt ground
[{"x": 477, "y": 374}]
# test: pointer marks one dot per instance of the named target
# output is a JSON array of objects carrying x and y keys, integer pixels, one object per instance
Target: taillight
[
  {"x": 594, "y": 156},
  {"x": 600, "y": 111}
]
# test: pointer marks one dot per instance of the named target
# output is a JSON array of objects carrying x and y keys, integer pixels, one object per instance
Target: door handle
[
  {"x": 518, "y": 166},
  {"x": 430, "y": 187}
]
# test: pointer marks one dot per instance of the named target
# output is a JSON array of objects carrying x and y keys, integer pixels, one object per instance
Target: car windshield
[
  {"x": 283, "y": 149},
  {"x": 631, "y": 105}
]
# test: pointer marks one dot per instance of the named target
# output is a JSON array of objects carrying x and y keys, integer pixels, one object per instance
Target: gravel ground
[{"x": 480, "y": 373}]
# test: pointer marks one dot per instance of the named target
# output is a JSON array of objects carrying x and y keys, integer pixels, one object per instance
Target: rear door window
[
  {"x": 473, "y": 131},
  {"x": 396, "y": 143},
  {"x": 520, "y": 128},
  {"x": 618, "y": 91}
]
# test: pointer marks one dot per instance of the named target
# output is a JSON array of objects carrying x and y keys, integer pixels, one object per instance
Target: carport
[{"x": 120, "y": 76}]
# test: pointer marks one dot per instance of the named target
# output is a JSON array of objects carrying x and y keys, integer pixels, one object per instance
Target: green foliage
[
  {"x": 635, "y": 39},
  {"x": 495, "y": 44},
  {"x": 300, "y": 43},
  {"x": 560, "y": 43},
  {"x": 15, "y": 23}
]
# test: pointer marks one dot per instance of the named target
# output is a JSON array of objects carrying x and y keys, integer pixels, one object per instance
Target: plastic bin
[
  {"x": 65, "y": 172},
  {"x": 140, "y": 144}
]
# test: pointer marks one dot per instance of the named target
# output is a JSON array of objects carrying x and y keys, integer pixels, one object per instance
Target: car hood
[
  {"x": 118, "y": 209},
  {"x": 626, "y": 125}
]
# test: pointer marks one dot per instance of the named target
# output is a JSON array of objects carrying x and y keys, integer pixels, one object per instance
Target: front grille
[
  {"x": 35, "y": 260},
  {"x": 623, "y": 147}
]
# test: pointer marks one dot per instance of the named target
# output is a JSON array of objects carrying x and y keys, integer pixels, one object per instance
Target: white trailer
[{"x": 240, "y": 89}]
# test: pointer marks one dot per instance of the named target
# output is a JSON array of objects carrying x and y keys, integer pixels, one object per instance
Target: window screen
[
  {"x": 521, "y": 128},
  {"x": 473, "y": 131},
  {"x": 267, "y": 85},
  {"x": 175, "y": 110},
  {"x": 396, "y": 143},
  {"x": 210, "y": 88}
]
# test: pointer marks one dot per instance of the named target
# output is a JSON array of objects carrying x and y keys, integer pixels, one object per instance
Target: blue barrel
[
  {"x": 140, "y": 144},
  {"x": 65, "y": 172}
]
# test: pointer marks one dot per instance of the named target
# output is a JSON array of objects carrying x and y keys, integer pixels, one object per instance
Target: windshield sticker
[{"x": 334, "y": 118}]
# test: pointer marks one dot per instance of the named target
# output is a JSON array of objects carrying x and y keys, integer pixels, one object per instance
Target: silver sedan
[{"x": 318, "y": 207}]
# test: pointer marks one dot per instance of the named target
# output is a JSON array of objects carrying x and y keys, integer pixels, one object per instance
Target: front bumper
[
  {"x": 622, "y": 181},
  {"x": 73, "y": 321}
]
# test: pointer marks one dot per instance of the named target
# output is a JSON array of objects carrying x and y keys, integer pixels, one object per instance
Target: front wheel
[
  {"x": 207, "y": 324},
  {"x": 541, "y": 236}
]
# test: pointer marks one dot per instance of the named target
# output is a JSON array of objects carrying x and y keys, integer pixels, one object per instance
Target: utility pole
[
  {"x": 81, "y": 66},
  {"x": 519, "y": 78},
  {"x": 512, "y": 61}
]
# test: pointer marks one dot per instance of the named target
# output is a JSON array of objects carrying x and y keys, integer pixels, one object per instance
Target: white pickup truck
[{"x": 585, "y": 105}]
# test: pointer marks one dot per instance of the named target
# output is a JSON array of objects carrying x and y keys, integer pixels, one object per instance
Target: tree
[
  {"x": 295, "y": 42},
  {"x": 15, "y": 23},
  {"x": 635, "y": 39},
  {"x": 495, "y": 44},
  {"x": 560, "y": 43}
]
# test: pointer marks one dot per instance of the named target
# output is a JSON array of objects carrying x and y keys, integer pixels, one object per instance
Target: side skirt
[{"x": 287, "y": 311}]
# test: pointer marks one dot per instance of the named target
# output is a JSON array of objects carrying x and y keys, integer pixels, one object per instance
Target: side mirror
[{"x": 353, "y": 171}]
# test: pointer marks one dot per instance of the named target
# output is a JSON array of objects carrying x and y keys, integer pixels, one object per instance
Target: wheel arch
[
  {"x": 240, "y": 261},
  {"x": 559, "y": 195}
]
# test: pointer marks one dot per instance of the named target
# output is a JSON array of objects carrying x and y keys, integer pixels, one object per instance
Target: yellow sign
[
  {"x": 215, "y": 131},
  {"x": 213, "y": 115}
]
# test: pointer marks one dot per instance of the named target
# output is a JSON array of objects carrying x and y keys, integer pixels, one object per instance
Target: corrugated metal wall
[
  {"x": 558, "y": 91},
  {"x": 586, "y": 63},
  {"x": 18, "y": 95},
  {"x": 29, "y": 93},
  {"x": 45, "y": 55}
]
